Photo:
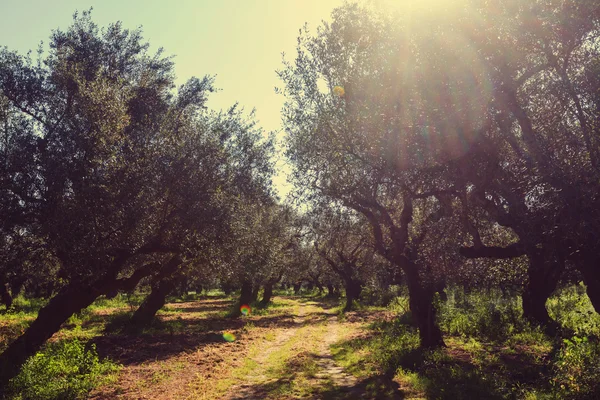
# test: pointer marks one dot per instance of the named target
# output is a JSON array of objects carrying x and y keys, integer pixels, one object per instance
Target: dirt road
[{"x": 281, "y": 353}]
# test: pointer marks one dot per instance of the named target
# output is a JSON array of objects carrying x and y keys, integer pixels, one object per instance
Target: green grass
[
  {"x": 68, "y": 369},
  {"x": 492, "y": 352},
  {"x": 572, "y": 309}
]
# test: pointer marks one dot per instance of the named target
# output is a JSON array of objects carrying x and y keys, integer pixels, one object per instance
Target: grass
[
  {"x": 67, "y": 369},
  {"x": 55, "y": 373},
  {"x": 491, "y": 351}
]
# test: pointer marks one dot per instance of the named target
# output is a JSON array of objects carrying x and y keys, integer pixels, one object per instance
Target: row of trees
[
  {"x": 462, "y": 148},
  {"x": 111, "y": 176},
  {"x": 470, "y": 132}
]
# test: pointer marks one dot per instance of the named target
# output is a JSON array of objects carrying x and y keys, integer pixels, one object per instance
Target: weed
[{"x": 63, "y": 370}]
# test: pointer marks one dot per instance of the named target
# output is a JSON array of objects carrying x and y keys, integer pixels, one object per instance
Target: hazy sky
[{"x": 238, "y": 41}]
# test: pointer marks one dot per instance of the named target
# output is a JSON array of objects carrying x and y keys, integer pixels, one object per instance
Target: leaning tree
[{"x": 124, "y": 176}]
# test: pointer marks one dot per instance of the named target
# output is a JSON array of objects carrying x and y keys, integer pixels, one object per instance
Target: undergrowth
[{"x": 65, "y": 370}]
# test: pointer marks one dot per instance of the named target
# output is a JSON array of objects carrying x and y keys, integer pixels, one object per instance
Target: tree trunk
[
  {"x": 320, "y": 288},
  {"x": 590, "y": 269},
  {"x": 543, "y": 279},
  {"x": 330, "y": 290},
  {"x": 297, "y": 287},
  {"x": 145, "y": 313},
  {"x": 353, "y": 290},
  {"x": 245, "y": 297},
  {"x": 267, "y": 294},
  {"x": 422, "y": 310},
  {"x": 255, "y": 290},
  {"x": 5, "y": 297},
  {"x": 227, "y": 288},
  {"x": 67, "y": 302},
  {"x": 182, "y": 287}
]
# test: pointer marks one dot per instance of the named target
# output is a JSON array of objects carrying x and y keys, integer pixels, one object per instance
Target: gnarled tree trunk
[
  {"x": 297, "y": 287},
  {"x": 330, "y": 290},
  {"x": 353, "y": 290},
  {"x": 69, "y": 300},
  {"x": 61, "y": 307},
  {"x": 246, "y": 296},
  {"x": 422, "y": 309},
  {"x": 543, "y": 280},
  {"x": 145, "y": 313},
  {"x": 267, "y": 294},
  {"x": 255, "y": 290},
  {"x": 5, "y": 296},
  {"x": 590, "y": 269}
]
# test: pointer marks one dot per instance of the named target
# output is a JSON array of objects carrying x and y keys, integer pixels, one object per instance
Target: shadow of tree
[
  {"x": 376, "y": 387},
  {"x": 167, "y": 338},
  {"x": 450, "y": 373},
  {"x": 322, "y": 302},
  {"x": 302, "y": 366}
]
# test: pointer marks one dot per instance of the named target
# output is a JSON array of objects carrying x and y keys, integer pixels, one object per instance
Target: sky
[{"x": 238, "y": 41}]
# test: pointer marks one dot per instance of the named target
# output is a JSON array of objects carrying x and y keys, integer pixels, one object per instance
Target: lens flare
[
  {"x": 245, "y": 309},
  {"x": 339, "y": 91},
  {"x": 229, "y": 337}
]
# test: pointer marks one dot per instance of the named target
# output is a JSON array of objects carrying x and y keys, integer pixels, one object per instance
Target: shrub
[
  {"x": 374, "y": 296},
  {"x": 487, "y": 314},
  {"x": 64, "y": 370}
]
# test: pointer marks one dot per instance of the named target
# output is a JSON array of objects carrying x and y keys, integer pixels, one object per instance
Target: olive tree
[{"x": 125, "y": 177}]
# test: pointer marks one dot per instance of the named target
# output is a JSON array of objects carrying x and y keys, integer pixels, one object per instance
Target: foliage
[
  {"x": 572, "y": 309},
  {"x": 483, "y": 314},
  {"x": 63, "y": 370},
  {"x": 111, "y": 174},
  {"x": 376, "y": 296}
]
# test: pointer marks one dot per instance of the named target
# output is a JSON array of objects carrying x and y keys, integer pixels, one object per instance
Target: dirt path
[
  {"x": 283, "y": 353},
  {"x": 299, "y": 362},
  {"x": 250, "y": 388},
  {"x": 328, "y": 368}
]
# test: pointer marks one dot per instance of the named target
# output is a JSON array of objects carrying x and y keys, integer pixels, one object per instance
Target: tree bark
[
  {"x": 543, "y": 277},
  {"x": 353, "y": 290},
  {"x": 5, "y": 296},
  {"x": 543, "y": 280},
  {"x": 246, "y": 294},
  {"x": 590, "y": 269},
  {"x": 330, "y": 290},
  {"x": 267, "y": 294},
  {"x": 297, "y": 287},
  {"x": 423, "y": 310},
  {"x": 62, "y": 306},
  {"x": 70, "y": 300},
  {"x": 227, "y": 288},
  {"x": 255, "y": 290},
  {"x": 145, "y": 313}
]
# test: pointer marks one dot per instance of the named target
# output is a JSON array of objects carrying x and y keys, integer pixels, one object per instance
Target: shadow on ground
[
  {"x": 298, "y": 369},
  {"x": 453, "y": 373}
]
